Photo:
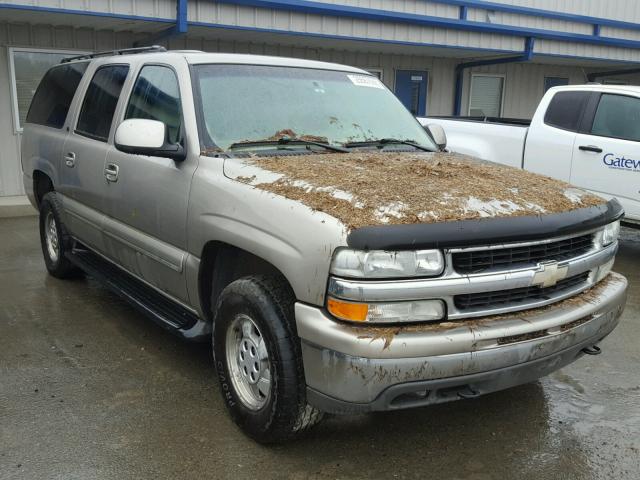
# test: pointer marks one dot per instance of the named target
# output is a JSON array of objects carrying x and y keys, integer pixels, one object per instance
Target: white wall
[{"x": 38, "y": 36}]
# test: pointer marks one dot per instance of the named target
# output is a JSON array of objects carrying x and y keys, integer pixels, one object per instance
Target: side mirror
[
  {"x": 437, "y": 133},
  {"x": 141, "y": 136}
]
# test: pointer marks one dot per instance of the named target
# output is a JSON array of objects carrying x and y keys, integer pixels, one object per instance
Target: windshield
[{"x": 252, "y": 103}]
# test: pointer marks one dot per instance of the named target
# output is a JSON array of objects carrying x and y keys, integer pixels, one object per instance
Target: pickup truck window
[
  {"x": 618, "y": 116},
  {"x": 100, "y": 102},
  {"x": 51, "y": 102},
  {"x": 566, "y": 109},
  {"x": 156, "y": 96},
  {"x": 240, "y": 103}
]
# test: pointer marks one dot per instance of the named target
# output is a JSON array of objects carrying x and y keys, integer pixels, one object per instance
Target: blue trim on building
[
  {"x": 399, "y": 42},
  {"x": 334, "y": 10},
  {"x": 182, "y": 24},
  {"x": 537, "y": 12}
]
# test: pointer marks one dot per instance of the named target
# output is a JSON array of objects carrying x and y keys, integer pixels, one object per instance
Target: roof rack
[{"x": 109, "y": 53}]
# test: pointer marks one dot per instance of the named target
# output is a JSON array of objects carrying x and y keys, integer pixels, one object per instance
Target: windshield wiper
[
  {"x": 387, "y": 141},
  {"x": 288, "y": 141}
]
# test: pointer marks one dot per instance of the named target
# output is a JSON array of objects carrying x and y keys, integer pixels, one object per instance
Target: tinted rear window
[
  {"x": 100, "y": 101},
  {"x": 565, "y": 110},
  {"x": 51, "y": 102}
]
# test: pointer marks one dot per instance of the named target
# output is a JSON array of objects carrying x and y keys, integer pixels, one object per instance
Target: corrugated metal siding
[
  {"x": 143, "y": 8},
  {"x": 624, "y": 10},
  {"x": 524, "y": 84},
  {"x": 208, "y": 11}
]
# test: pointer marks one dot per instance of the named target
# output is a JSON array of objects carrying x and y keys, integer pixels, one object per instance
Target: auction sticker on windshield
[{"x": 365, "y": 81}]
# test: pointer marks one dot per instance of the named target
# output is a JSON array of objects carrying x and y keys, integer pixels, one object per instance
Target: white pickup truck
[{"x": 587, "y": 135}]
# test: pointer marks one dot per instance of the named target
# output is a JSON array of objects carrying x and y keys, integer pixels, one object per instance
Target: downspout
[
  {"x": 180, "y": 28},
  {"x": 526, "y": 56}
]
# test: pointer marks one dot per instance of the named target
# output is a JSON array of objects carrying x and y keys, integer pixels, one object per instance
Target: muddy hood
[{"x": 368, "y": 189}]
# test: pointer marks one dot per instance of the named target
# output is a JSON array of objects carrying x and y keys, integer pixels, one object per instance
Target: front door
[
  {"x": 606, "y": 157},
  {"x": 147, "y": 199},
  {"x": 411, "y": 89}
]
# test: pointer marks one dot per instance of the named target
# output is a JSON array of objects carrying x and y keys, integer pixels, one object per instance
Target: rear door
[
  {"x": 552, "y": 134},
  {"x": 146, "y": 206},
  {"x": 84, "y": 152},
  {"x": 411, "y": 89},
  {"x": 607, "y": 151}
]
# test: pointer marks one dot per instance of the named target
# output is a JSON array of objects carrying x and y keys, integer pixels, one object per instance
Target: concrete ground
[{"x": 91, "y": 389}]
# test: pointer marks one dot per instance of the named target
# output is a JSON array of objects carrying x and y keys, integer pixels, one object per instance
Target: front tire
[
  {"x": 258, "y": 359},
  {"x": 54, "y": 239}
]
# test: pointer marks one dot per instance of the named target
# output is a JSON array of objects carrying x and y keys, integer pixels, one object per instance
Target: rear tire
[
  {"x": 258, "y": 359},
  {"x": 54, "y": 239}
]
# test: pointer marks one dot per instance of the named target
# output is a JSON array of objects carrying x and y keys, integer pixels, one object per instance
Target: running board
[{"x": 145, "y": 299}]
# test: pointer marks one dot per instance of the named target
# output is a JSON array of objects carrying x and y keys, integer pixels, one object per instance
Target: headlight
[
  {"x": 387, "y": 312},
  {"x": 383, "y": 264},
  {"x": 610, "y": 233}
]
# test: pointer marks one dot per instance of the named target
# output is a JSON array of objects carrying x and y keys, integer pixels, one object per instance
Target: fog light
[{"x": 391, "y": 312}]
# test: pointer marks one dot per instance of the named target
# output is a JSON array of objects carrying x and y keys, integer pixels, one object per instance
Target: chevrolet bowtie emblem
[{"x": 549, "y": 273}]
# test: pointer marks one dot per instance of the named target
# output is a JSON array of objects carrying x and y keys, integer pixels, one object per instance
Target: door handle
[
  {"x": 590, "y": 148},
  {"x": 70, "y": 159},
  {"x": 111, "y": 172}
]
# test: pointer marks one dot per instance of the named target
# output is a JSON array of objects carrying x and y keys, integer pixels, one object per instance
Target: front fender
[{"x": 296, "y": 240}]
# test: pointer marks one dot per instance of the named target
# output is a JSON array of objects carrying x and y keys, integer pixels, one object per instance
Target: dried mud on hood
[{"x": 364, "y": 189}]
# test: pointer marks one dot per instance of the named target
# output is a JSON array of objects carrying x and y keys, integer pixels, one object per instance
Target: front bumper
[{"x": 354, "y": 368}]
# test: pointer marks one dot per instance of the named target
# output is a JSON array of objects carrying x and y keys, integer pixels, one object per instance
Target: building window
[
  {"x": 27, "y": 66},
  {"x": 377, "y": 72},
  {"x": 550, "y": 82},
  {"x": 486, "y": 95}
]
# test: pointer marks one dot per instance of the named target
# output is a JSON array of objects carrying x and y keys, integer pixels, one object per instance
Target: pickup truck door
[
  {"x": 82, "y": 181},
  {"x": 147, "y": 197},
  {"x": 551, "y": 137},
  {"x": 606, "y": 158}
]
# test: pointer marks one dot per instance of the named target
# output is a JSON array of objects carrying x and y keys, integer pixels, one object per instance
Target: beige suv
[{"x": 297, "y": 215}]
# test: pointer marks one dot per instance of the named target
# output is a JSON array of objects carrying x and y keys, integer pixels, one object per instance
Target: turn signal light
[{"x": 353, "y": 312}]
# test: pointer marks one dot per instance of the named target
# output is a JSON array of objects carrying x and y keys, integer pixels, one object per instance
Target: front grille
[
  {"x": 481, "y": 260},
  {"x": 517, "y": 296}
]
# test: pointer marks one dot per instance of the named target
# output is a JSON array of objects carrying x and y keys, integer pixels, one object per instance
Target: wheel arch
[
  {"x": 42, "y": 184},
  {"x": 222, "y": 263}
]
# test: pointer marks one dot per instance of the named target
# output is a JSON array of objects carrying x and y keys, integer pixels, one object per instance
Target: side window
[
  {"x": 100, "y": 102},
  {"x": 156, "y": 96},
  {"x": 51, "y": 102},
  {"x": 617, "y": 116},
  {"x": 565, "y": 110}
]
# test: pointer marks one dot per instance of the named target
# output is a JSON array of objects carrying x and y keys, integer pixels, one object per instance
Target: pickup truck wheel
[
  {"x": 54, "y": 239},
  {"x": 258, "y": 360}
]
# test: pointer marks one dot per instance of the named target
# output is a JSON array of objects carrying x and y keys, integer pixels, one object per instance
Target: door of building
[{"x": 411, "y": 89}]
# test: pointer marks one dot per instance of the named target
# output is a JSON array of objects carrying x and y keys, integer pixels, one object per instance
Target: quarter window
[
  {"x": 617, "y": 116},
  {"x": 565, "y": 110},
  {"x": 100, "y": 102},
  {"x": 51, "y": 102},
  {"x": 156, "y": 96}
]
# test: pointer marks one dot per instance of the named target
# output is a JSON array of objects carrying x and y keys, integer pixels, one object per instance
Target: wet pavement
[{"x": 91, "y": 389}]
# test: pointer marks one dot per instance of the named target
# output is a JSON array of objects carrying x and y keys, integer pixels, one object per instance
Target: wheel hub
[
  {"x": 248, "y": 361},
  {"x": 51, "y": 237}
]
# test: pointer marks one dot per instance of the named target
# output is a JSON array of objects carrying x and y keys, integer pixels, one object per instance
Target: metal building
[{"x": 441, "y": 57}]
